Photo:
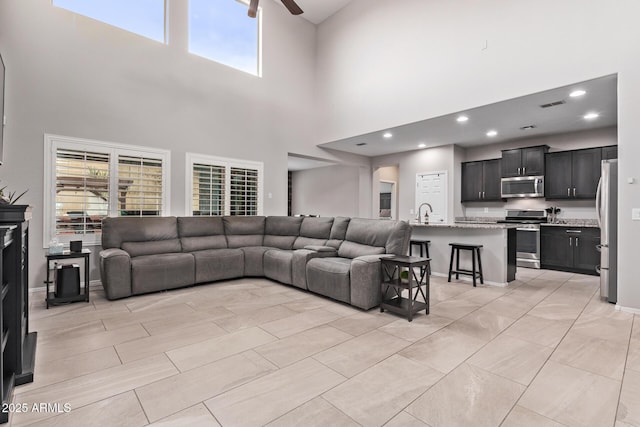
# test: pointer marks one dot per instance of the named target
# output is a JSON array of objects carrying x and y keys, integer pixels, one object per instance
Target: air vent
[
  {"x": 360, "y": 144},
  {"x": 528, "y": 127},
  {"x": 553, "y": 104}
]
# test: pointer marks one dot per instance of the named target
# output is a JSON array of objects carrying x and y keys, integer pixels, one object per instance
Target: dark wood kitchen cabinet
[
  {"x": 572, "y": 174},
  {"x": 481, "y": 181},
  {"x": 610, "y": 152},
  {"x": 570, "y": 249},
  {"x": 527, "y": 161}
]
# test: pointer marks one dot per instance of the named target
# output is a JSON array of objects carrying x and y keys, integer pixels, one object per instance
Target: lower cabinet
[{"x": 570, "y": 249}]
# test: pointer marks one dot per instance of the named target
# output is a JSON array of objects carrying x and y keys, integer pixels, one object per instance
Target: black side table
[
  {"x": 84, "y": 291},
  {"x": 417, "y": 270}
]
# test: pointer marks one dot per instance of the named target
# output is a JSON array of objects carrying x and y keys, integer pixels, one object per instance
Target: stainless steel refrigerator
[{"x": 606, "y": 212}]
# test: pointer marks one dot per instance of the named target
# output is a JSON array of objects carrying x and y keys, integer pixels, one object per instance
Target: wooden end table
[{"x": 418, "y": 276}]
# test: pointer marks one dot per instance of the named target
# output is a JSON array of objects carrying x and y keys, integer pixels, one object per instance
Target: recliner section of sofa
[{"x": 329, "y": 256}]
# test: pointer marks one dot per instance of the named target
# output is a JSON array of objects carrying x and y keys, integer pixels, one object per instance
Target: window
[
  {"x": 219, "y": 186},
  {"x": 144, "y": 17},
  {"x": 222, "y": 32},
  {"x": 86, "y": 181}
]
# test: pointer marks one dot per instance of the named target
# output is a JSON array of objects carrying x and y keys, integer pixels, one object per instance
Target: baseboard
[
  {"x": 627, "y": 309},
  {"x": 470, "y": 280},
  {"x": 93, "y": 284}
]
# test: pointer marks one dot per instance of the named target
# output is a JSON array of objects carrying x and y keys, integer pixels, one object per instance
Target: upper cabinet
[
  {"x": 527, "y": 161},
  {"x": 610, "y": 152},
  {"x": 481, "y": 181},
  {"x": 572, "y": 174}
]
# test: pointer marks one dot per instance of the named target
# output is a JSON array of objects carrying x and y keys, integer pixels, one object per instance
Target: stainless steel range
[{"x": 528, "y": 234}]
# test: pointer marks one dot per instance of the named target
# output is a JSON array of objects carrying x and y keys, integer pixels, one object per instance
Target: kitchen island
[{"x": 498, "y": 248}]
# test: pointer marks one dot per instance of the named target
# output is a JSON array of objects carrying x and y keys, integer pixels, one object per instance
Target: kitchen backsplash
[{"x": 578, "y": 209}]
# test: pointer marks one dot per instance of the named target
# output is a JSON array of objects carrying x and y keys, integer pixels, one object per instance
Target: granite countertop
[
  {"x": 468, "y": 224},
  {"x": 572, "y": 223}
]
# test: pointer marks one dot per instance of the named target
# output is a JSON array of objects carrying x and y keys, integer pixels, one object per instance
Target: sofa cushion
[
  {"x": 281, "y": 231},
  {"x": 372, "y": 232},
  {"x": 339, "y": 228},
  {"x": 254, "y": 260},
  {"x": 136, "y": 249},
  {"x": 398, "y": 241},
  {"x": 115, "y": 231},
  {"x": 301, "y": 242},
  {"x": 316, "y": 228},
  {"x": 218, "y": 264},
  {"x": 244, "y": 231},
  {"x": 353, "y": 250},
  {"x": 277, "y": 265},
  {"x": 151, "y": 273},
  {"x": 198, "y": 226},
  {"x": 329, "y": 277},
  {"x": 191, "y": 244}
]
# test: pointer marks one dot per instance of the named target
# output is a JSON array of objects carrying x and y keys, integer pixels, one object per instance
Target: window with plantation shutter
[
  {"x": 86, "y": 181},
  {"x": 219, "y": 186}
]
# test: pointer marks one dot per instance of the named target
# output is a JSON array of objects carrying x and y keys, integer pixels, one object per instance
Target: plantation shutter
[
  {"x": 81, "y": 191},
  {"x": 208, "y": 190},
  {"x": 139, "y": 186},
  {"x": 243, "y": 191}
]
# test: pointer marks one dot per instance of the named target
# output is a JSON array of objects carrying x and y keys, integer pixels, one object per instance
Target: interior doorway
[{"x": 385, "y": 192}]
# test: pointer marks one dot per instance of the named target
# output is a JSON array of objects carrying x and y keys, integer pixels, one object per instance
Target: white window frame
[
  {"x": 192, "y": 158},
  {"x": 53, "y": 142}
]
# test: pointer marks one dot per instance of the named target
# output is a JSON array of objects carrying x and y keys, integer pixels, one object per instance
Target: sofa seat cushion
[
  {"x": 151, "y": 273},
  {"x": 277, "y": 265},
  {"x": 330, "y": 277},
  {"x": 218, "y": 264},
  {"x": 254, "y": 260}
]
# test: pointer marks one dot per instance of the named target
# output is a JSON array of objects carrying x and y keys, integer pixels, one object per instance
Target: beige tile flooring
[{"x": 545, "y": 351}]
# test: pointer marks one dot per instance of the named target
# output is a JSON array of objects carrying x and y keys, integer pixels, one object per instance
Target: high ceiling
[
  {"x": 316, "y": 11},
  {"x": 507, "y": 118}
]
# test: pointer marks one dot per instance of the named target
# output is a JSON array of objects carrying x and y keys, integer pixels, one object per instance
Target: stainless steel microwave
[{"x": 522, "y": 186}]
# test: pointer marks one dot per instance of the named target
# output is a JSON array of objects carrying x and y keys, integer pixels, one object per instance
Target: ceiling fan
[{"x": 289, "y": 4}]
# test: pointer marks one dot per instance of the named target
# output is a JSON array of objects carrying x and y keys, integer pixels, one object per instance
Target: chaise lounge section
[{"x": 335, "y": 257}]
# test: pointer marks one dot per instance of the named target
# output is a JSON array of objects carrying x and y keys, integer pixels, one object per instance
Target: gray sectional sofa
[{"x": 335, "y": 257}]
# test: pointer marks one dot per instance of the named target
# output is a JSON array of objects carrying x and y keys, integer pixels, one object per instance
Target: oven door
[{"x": 528, "y": 247}]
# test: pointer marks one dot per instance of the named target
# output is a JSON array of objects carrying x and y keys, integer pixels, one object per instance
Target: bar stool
[
  {"x": 423, "y": 245},
  {"x": 475, "y": 252}
]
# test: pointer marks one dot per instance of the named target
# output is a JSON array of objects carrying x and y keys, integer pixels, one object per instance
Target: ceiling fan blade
[
  {"x": 293, "y": 7},
  {"x": 253, "y": 8}
]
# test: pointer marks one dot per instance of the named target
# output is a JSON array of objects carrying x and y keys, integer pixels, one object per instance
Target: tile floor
[{"x": 543, "y": 352}]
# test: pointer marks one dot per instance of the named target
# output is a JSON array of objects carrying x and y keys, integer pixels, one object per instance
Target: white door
[{"x": 431, "y": 187}]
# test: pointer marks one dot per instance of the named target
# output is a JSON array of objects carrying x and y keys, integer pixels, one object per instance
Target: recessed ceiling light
[
  {"x": 578, "y": 92},
  {"x": 492, "y": 133},
  {"x": 591, "y": 116},
  {"x": 387, "y": 135},
  {"x": 462, "y": 119},
  {"x": 422, "y": 145}
]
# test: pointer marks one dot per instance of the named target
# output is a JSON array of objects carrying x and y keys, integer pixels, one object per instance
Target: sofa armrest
[
  {"x": 366, "y": 277},
  {"x": 318, "y": 248},
  {"x": 299, "y": 264},
  {"x": 115, "y": 273}
]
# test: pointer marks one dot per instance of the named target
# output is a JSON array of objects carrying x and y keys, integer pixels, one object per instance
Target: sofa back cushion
[
  {"x": 281, "y": 231},
  {"x": 314, "y": 231},
  {"x": 152, "y": 247},
  {"x": 338, "y": 231},
  {"x": 242, "y": 231},
  {"x": 374, "y": 236},
  {"x": 116, "y": 231},
  {"x": 201, "y": 232}
]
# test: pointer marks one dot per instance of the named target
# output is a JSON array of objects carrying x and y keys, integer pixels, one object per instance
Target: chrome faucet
[{"x": 426, "y": 213}]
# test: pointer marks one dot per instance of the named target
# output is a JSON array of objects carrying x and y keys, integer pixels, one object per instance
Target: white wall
[
  {"x": 327, "y": 191},
  {"x": 383, "y": 63},
  {"x": 74, "y": 76}
]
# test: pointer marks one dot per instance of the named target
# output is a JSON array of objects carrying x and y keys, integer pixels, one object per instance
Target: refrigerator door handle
[{"x": 599, "y": 203}]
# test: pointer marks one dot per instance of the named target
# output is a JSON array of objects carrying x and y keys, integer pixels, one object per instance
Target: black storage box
[{"x": 67, "y": 280}]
